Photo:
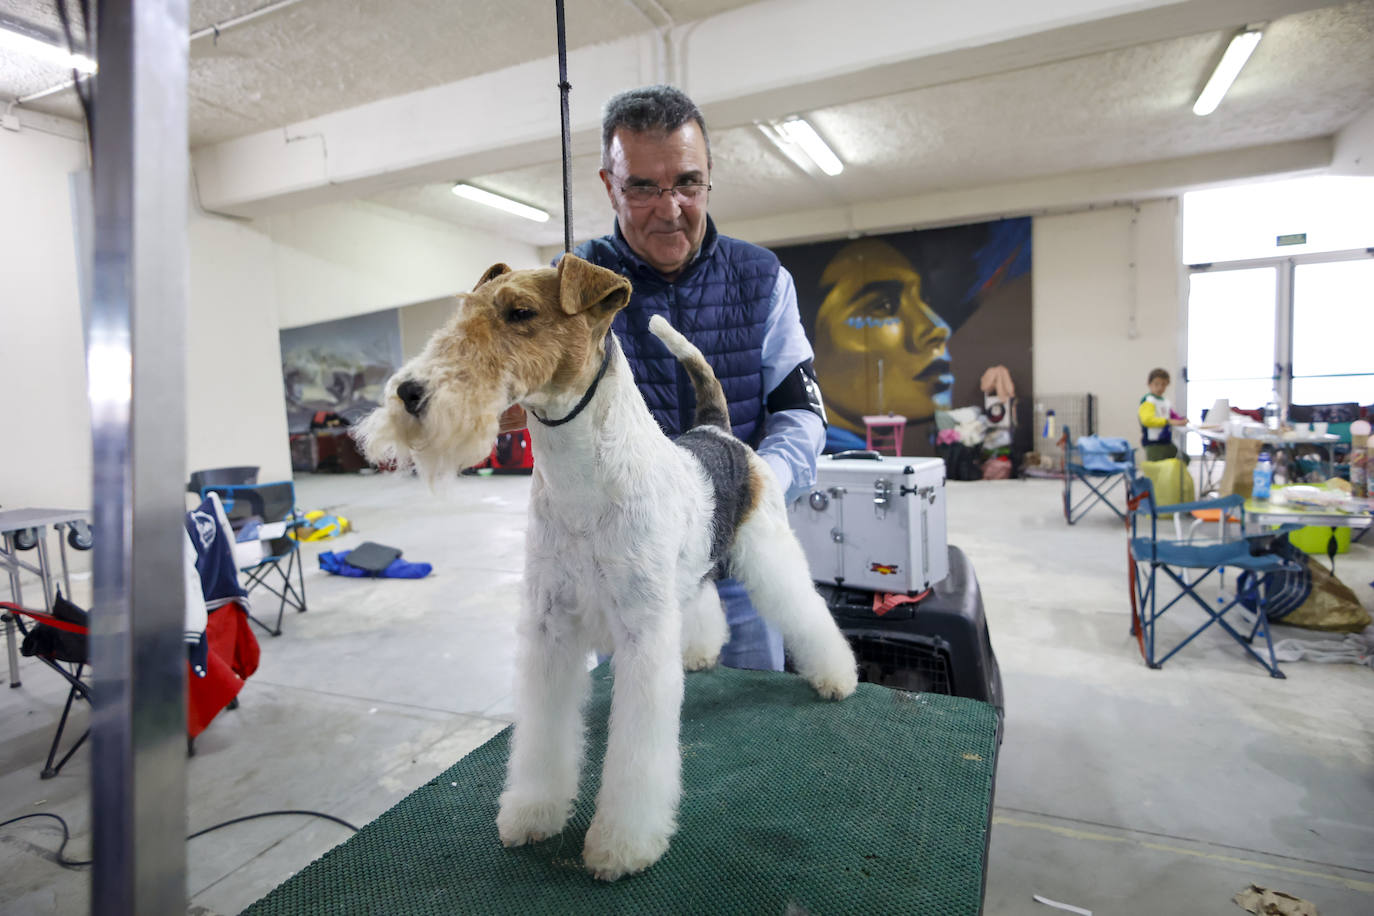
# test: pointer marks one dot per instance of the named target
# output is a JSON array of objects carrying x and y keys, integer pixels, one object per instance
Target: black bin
[{"x": 937, "y": 645}]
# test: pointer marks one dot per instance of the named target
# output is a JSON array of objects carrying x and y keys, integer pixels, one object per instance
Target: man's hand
[{"x": 513, "y": 419}]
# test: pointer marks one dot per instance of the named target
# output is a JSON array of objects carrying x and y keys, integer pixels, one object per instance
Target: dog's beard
[{"x": 450, "y": 434}]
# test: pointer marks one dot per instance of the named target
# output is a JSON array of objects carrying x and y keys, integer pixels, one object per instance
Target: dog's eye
[{"x": 518, "y": 315}]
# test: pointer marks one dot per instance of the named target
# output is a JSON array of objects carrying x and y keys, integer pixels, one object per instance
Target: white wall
[
  {"x": 1107, "y": 292},
  {"x": 347, "y": 259},
  {"x": 1354, "y": 147},
  {"x": 236, "y": 413},
  {"x": 44, "y": 414},
  {"x": 420, "y": 321},
  {"x": 246, "y": 281}
]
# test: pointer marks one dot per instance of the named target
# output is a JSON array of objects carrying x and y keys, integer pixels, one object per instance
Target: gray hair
[{"x": 649, "y": 108}]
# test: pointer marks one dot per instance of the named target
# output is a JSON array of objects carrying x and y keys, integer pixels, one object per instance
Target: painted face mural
[{"x": 879, "y": 345}]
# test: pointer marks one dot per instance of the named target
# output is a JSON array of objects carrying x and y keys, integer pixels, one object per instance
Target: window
[{"x": 1265, "y": 317}]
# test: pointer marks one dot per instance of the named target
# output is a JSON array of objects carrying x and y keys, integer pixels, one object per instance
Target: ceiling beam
[
  {"x": 759, "y": 61},
  {"x": 1039, "y": 196}
]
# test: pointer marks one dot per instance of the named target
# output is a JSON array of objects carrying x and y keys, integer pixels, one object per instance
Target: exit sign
[{"x": 1297, "y": 238}]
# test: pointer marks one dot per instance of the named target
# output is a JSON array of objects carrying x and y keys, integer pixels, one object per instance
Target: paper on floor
[{"x": 1061, "y": 906}]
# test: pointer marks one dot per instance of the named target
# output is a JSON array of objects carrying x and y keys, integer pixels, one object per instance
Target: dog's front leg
[
  {"x": 641, "y": 782},
  {"x": 546, "y": 748}
]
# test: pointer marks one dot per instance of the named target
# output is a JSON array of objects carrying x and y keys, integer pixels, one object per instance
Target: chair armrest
[
  {"x": 1225, "y": 502},
  {"x": 46, "y": 620}
]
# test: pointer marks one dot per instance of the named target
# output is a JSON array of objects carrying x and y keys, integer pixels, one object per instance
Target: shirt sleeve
[
  {"x": 1148, "y": 416},
  {"x": 792, "y": 439}
]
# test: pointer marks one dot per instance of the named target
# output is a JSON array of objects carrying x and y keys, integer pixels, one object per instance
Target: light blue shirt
[{"x": 792, "y": 439}]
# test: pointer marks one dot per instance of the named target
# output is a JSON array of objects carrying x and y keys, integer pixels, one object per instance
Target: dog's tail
[{"x": 712, "y": 409}]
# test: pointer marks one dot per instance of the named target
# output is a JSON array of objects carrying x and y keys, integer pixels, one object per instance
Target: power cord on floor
[
  {"x": 74, "y": 863},
  {"x": 66, "y": 835}
]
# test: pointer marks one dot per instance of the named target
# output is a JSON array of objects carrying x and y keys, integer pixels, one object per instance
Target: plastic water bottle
[
  {"x": 1281, "y": 474},
  {"x": 1264, "y": 477},
  {"x": 1272, "y": 418}
]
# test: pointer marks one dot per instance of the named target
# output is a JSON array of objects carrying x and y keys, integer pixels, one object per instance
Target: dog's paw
[
  {"x": 521, "y": 822},
  {"x": 836, "y": 685},
  {"x": 612, "y": 853},
  {"x": 699, "y": 659}
]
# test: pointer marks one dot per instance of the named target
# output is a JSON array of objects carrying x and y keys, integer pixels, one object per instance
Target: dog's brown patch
[{"x": 754, "y": 489}]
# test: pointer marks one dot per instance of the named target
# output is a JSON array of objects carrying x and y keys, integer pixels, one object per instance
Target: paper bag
[{"x": 1241, "y": 457}]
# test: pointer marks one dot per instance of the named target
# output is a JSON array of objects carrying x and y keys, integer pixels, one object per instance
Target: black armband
[{"x": 798, "y": 391}]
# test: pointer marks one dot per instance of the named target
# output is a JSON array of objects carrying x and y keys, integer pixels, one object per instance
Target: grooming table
[{"x": 791, "y": 804}]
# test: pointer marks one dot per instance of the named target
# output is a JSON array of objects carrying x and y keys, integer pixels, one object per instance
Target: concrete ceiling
[{"x": 1096, "y": 85}]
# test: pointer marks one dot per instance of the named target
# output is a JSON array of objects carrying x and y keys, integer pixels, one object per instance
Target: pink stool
[{"x": 885, "y": 431}]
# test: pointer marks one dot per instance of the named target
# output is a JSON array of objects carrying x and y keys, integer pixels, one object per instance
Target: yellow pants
[{"x": 1172, "y": 482}]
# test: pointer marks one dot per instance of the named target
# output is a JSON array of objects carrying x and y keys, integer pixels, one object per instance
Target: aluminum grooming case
[{"x": 875, "y": 522}]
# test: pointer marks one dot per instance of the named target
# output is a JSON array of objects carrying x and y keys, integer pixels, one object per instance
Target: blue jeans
[{"x": 753, "y": 642}]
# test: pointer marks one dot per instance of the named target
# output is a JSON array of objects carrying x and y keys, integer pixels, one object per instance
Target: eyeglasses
[{"x": 647, "y": 195}]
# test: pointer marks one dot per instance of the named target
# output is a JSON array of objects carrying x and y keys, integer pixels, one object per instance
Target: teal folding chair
[
  {"x": 268, "y": 503},
  {"x": 1099, "y": 464},
  {"x": 1154, "y": 560}
]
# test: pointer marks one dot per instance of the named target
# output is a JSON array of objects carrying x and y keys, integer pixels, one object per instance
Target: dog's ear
[
  {"x": 492, "y": 273},
  {"x": 583, "y": 285}
]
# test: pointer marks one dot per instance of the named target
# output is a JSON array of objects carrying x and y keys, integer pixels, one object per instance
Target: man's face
[{"x": 665, "y": 233}]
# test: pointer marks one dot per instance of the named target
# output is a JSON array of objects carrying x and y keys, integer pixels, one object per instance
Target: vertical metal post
[{"x": 135, "y": 364}]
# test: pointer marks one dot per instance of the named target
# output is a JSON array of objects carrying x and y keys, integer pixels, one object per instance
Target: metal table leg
[{"x": 16, "y": 590}]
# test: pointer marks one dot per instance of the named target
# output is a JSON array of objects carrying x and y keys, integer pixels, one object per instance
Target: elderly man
[{"x": 733, "y": 300}]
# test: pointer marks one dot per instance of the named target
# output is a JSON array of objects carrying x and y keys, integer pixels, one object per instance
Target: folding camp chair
[
  {"x": 221, "y": 477},
  {"x": 1099, "y": 463},
  {"x": 1148, "y": 555},
  {"x": 58, "y": 640},
  {"x": 218, "y": 664},
  {"x": 268, "y": 503}
]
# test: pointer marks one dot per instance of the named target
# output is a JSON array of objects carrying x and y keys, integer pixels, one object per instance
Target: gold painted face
[{"x": 874, "y": 311}]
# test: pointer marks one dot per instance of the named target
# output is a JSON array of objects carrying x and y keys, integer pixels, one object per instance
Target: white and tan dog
[{"x": 625, "y": 531}]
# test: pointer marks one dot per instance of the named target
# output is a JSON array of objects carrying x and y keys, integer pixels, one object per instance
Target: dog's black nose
[{"x": 412, "y": 394}]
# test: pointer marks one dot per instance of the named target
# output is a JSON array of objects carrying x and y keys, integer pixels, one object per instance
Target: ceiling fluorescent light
[
  {"x": 38, "y": 49},
  {"x": 800, "y": 132},
  {"x": 469, "y": 192},
  {"x": 1228, "y": 68}
]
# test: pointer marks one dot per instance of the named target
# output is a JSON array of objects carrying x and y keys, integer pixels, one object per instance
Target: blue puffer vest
[{"x": 719, "y": 303}]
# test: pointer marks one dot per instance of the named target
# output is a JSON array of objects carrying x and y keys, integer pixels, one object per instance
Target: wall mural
[
  {"x": 908, "y": 323},
  {"x": 339, "y": 366}
]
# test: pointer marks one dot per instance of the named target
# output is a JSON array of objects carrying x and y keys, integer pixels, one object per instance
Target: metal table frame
[
  {"x": 1262, "y": 513},
  {"x": 1327, "y": 441}
]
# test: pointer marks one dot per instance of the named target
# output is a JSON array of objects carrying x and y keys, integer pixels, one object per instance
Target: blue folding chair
[
  {"x": 1148, "y": 555},
  {"x": 268, "y": 503},
  {"x": 1099, "y": 463}
]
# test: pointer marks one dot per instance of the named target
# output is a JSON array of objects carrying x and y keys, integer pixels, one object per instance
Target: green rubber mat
[{"x": 878, "y": 804}]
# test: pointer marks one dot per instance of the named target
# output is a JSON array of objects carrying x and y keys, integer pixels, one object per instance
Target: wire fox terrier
[{"x": 627, "y": 531}]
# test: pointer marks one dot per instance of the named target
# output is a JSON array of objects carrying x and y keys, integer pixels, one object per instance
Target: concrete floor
[{"x": 1121, "y": 790}]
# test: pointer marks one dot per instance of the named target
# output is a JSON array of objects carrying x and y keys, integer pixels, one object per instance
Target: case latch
[{"x": 882, "y": 496}]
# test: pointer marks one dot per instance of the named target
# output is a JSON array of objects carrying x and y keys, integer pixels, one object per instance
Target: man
[{"x": 733, "y": 300}]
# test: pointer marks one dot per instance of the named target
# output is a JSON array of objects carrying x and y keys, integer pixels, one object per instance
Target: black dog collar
[{"x": 586, "y": 398}]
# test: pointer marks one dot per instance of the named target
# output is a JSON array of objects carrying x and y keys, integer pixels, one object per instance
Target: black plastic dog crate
[{"x": 937, "y": 645}]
